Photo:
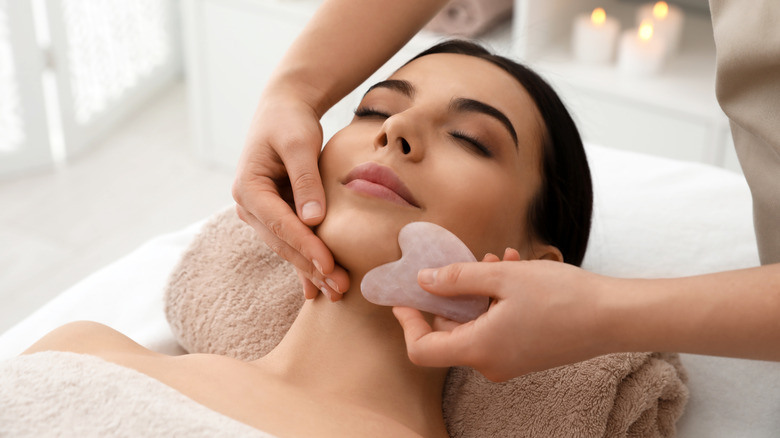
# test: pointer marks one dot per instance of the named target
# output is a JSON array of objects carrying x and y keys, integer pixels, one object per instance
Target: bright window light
[
  {"x": 11, "y": 123},
  {"x": 112, "y": 45}
]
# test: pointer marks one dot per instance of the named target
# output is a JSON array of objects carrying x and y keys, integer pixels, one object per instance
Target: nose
[{"x": 399, "y": 134}]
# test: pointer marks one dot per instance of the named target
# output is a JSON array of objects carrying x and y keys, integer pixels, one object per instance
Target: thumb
[
  {"x": 306, "y": 185},
  {"x": 426, "y": 347},
  {"x": 462, "y": 279}
]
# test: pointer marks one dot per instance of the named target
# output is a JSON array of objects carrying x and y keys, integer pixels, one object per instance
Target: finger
[
  {"x": 412, "y": 321},
  {"x": 511, "y": 255},
  {"x": 337, "y": 280},
  {"x": 441, "y": 323},
  {"x": 277, "y": 244},
  {"x": 268, "y": 209},
  {"x": 490, "y": 257},
  {"x": 424, "y": 346},
  {"x": 306, "y": 183},
  {"x": 462, "y": 279},
  {"x": 310, "y": 291},
  {"x": 284, "y": 233}
]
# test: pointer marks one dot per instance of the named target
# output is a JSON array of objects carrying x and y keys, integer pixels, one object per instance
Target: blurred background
[
  {"x": 123, "y": 120},
  {"x": 96, "y": 149}
]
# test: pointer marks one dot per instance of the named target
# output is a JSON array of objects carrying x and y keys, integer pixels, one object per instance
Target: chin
[{"x": 360, "y": 242}]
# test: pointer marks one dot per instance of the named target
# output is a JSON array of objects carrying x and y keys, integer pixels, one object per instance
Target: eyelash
[
  {"x": 459, "y": 135},
  {"x": 474, "y": 142},
  {"x": 365, "y": 111}
]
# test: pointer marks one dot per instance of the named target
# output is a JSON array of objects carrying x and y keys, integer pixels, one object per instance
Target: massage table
[{"x": 653, "y": 217}]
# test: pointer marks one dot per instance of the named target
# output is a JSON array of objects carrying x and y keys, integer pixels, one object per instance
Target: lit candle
[
  {"x": 640, "y": 52},
  {"x": 667, "y": 22},
  {"x": 593, "y": 37}
]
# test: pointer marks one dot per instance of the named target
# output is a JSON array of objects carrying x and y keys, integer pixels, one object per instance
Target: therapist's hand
[
  {"x": 536, "y": 319},
  {"x": 279, "y": 192}
]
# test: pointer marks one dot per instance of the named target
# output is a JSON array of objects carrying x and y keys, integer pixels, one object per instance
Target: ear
[{"x": 543, "y": 251}]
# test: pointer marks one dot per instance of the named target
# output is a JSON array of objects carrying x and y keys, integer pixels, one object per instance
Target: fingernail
[
  {"x": 326, "y": 292},
  {"x": 311, "y": 210},
  {"x": 332, "y": 285},
  {"x": 427, "y": 276},
  {"x": 318, "y": 266}
]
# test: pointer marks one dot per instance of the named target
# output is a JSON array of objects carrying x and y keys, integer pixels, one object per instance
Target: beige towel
[
  {"x": 61, "y": 394},
  {"x": 231, "y": 295},
  {"x": 469, "y": 18}
]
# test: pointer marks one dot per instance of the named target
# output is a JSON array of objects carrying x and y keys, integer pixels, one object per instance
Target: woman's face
[{"x": 449, "y": 139}]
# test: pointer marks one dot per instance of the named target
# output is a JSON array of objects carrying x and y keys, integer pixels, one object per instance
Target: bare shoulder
[{"x": 88, "y": 337}]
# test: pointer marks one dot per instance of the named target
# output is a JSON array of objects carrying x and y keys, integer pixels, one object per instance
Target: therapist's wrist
[
  {"x": 633, "y": 315},
  {"x": 607, "y": 321},
  {"x": 299, "y": 86}
]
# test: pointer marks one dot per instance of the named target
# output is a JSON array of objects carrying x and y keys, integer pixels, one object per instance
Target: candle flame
[
  {"x": 598, "y": 17},
  {"x": 646, "y": 30},
  {"x": 660, "y": 10}
]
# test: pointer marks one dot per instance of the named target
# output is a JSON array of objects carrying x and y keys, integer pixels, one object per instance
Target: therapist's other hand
[
  {"x": 278, "y": 181},
  {"x": 542, "y": 314}
]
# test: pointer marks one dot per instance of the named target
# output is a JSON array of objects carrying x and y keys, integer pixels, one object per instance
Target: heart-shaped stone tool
[{"x": 423, "y": 245}]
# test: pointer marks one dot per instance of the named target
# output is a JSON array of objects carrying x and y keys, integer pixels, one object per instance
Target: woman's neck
[{"x": 355, "y": 351}]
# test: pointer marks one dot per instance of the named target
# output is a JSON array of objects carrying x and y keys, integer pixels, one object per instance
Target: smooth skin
[
  {"x": 544, "y": 314},
  {"x": 342, "y": 369},
  {"x": 279, "y": 161},
  {"x": 538, "y": 320}
]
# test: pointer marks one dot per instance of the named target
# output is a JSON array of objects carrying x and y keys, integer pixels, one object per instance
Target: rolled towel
[
  {"x": 231, "y": 295},
  {"x": 618, "y": 395},
  {"x": 469, "y": 18}
]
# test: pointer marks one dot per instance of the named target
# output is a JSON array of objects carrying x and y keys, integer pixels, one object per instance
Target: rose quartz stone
[{"x": 423, "y": 245}]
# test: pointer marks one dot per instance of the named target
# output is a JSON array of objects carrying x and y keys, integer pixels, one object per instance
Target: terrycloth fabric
[
  {"x": 77, "y": 395},
  {"x": 231, "y": 295},
  {"x": 470, "y": 17}
]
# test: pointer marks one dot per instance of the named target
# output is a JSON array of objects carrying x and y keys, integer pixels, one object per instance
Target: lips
[{"x": 379, "y": 181}]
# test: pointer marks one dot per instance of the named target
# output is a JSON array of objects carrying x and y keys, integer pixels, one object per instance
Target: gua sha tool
[{"x": 423, "y": 245}]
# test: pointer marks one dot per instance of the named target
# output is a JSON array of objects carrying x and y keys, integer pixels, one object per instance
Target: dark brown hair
[{"x": 560, "y": 214}]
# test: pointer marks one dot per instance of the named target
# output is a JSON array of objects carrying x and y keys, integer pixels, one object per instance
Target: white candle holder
[
  {"x": 667, "y": 22},
  {"x": 640, "y": 52},
  {"x": 594, "y": 36}
]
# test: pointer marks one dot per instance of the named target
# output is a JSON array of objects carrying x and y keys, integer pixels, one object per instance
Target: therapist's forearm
[
  {"x": 735, "y": 313},
  {"x": 344, "y": 43}
]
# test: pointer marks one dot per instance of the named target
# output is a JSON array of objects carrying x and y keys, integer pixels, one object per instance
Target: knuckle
[
  {"x": 279, "y": 248},
  {"x": 291, "y": 143},
  {"x": 305, "y": 180},
  {"x": 276, "y": 227},
  {"x": 451, "y": 274},
  {"x": 414, "y": 353}
]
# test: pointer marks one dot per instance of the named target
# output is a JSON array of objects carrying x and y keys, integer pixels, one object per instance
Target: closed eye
[
  {"x": 473, "y": 142},
  {"x": 365, "y": 111}
]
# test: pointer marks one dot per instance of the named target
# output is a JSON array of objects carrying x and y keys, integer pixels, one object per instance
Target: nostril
[
  {"x": 383, "y": 140},
  {"x": 405, "y": 146}
]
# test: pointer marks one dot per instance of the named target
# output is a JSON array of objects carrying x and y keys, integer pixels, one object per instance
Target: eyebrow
[
  {"x": 404, "y": 87},
  {"x": 460, "y": 104}
]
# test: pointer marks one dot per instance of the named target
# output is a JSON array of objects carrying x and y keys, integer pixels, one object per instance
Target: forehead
[{"x": 449, "y": 75}]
